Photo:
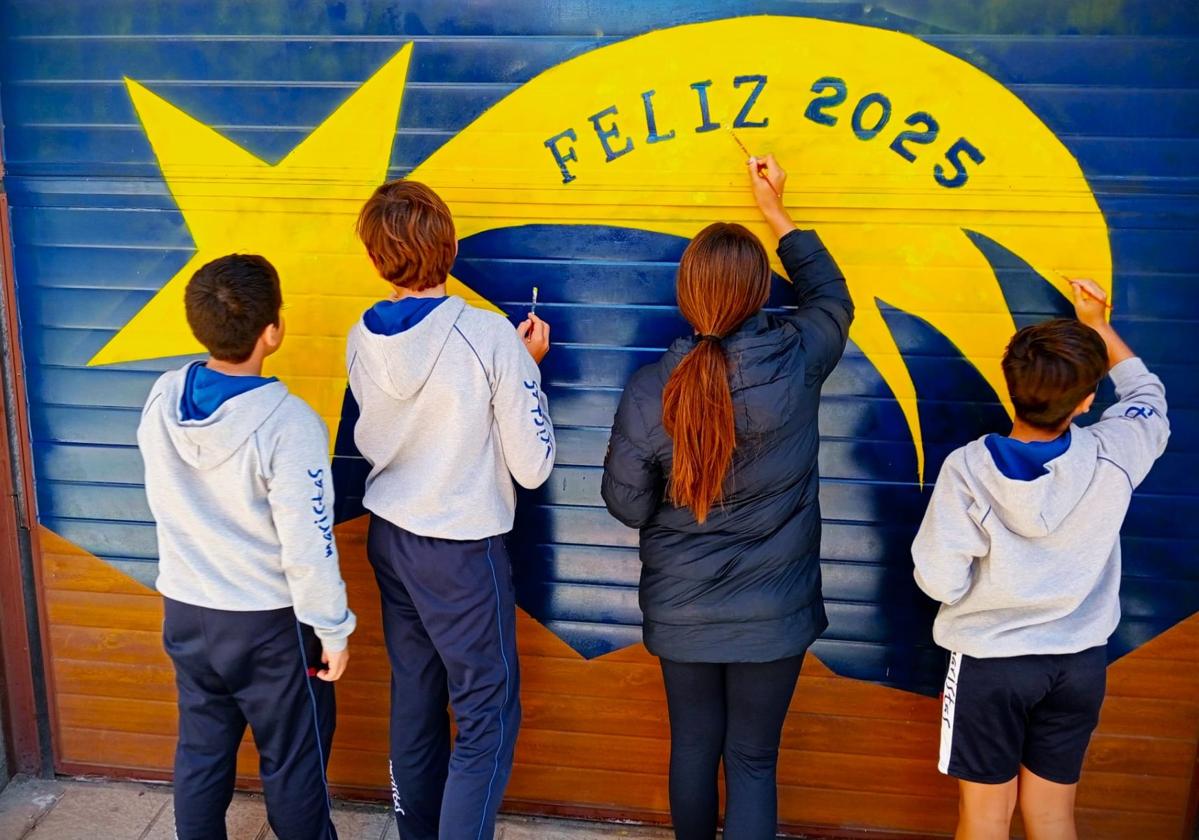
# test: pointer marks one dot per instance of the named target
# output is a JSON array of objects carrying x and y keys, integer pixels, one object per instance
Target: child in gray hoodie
[
  {"x": 451, "y": 413},
  {"x": 256, "y": 622},
  {"x": 1021, "y": 544}
]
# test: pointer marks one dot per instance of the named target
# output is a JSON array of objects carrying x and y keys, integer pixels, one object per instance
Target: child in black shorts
[{"x": 1021, "y": 545}]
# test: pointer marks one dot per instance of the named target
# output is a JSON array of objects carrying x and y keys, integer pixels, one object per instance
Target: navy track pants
[
  {"x": 449, "y": 616},
  {"x": 234, "y": 668}
]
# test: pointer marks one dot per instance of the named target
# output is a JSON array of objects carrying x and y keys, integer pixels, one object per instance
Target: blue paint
[
  {"x": 1029, "y": 297},
  {"x": 610, "y": 133},
  {"x": 651, "y": 122},
  {"x": 742, "y": 119},
  {"x": 705, "y": 116},
  {"x": 863, "y": 132},
  {"x": 961, "y": 146},
  {"x": 96, "y": 234},
  {"x": 562, "y": 158},
  {"x": 836, "y": 93},
  {"x": 922, "y": 137},
  {"x": 350, "y": 469}
]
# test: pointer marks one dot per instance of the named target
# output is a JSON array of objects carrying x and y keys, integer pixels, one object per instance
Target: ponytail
[
  {"x": 724, "y": 278},
  {"x": 697, "y": 412}
]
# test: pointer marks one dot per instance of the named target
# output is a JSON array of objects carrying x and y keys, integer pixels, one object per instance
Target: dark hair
[
  {"x": 724, "y": 278},
  {"x": 409, "y": 234},
  {"x": 1052, "y": 367},
  {"x": 230, "y": 301}
]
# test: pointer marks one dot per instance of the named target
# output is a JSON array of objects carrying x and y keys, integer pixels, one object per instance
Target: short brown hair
[
  {"x": 1050, "y": 368},
  {"x": 409, "y": 234},
  {"x": 230, "y": 301}
]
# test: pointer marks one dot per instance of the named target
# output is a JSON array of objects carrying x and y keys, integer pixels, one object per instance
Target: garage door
[{"x": 955, "y": 157}]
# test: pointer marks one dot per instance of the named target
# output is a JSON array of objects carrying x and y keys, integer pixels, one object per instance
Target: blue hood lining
[
  {"x": 1021, "y": 461},
  {"x": 205, "y": 390},
  {"x": 392, "y": 317}
]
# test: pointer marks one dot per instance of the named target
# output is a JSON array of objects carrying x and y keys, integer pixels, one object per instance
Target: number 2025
[{"x": 870, "y": 117}]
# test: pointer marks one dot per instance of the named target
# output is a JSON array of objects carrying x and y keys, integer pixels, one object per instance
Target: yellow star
[{"x": 298, "y": 213}]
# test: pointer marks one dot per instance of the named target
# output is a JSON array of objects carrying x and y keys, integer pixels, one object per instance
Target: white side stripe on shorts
[{"x": 948, "y": 706}]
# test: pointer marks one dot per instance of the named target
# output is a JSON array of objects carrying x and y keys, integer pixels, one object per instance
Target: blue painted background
[{"x": 96, "y": 235}]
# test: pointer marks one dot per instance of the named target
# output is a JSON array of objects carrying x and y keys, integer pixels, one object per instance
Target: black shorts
[{"x": 1038, "y": 711}]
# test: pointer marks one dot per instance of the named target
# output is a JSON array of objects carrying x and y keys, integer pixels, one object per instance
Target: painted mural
[{"x": 958, "y": 160}]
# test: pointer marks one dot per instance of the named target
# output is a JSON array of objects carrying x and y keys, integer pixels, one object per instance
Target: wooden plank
[
  {"x": 66, "y": 572},
  {"x": 156, "y": 752},
  {"x": 1142, "y": 794},
  {"x": 103, "y": 609},
  {"x": 132, "y": 750},
  {"x": 1141, "y": 756},
  {"x": 1112, "y": 822},
  {"x": 588, "y": 724},
  {"x": 1151, "y": 716},
  {"x": 113, "y": 679},
  {"x": 108, "y": 644},
  {"x": 1148, "y": 676}
]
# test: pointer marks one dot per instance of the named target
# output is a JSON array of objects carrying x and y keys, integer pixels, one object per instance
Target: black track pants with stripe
[{"x": 234, "y": 668}]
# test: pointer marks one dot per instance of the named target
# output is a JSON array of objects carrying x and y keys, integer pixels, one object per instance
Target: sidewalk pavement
[{"x": 79, "y": 809}]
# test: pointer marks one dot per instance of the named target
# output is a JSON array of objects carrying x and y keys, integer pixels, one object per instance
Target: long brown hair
[{"x": 724, "y": 277}]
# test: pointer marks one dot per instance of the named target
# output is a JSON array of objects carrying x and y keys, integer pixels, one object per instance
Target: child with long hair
[{"x": 713, "y": 457}]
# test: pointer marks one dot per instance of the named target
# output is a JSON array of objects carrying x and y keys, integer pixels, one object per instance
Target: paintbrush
[
  {"x": 533, "y": 308},
  {"x": 1107, "y": 304},
  {"x": 761, "y": 166}
]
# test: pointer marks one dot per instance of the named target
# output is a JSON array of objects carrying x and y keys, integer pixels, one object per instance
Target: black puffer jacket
[{"x": 745, "y": 585}]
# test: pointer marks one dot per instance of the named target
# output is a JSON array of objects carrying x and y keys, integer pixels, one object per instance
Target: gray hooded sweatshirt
[
  {"x": 244, "y": 505},
  {"x": 451, "y": 411},
  {"x": 1033, "y": 566}
]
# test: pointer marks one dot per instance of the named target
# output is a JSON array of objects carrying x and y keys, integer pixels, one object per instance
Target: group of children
[{"x": 1021, "y": 544}]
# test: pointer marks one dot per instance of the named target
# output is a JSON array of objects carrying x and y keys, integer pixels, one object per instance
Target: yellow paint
[
  {"x": 897, "y": 234},
  {"x": 299, "y": 213}
]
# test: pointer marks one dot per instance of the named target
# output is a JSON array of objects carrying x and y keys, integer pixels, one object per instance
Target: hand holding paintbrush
[
  {"x": 760, "y": 165},
  {"x": 1090, "y": 288},
  {"x": 534, "y": 332},
  {"x": 767, "y": 180}
]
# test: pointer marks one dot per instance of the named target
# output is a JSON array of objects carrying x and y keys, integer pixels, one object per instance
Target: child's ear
[
  {"x": 272, "y": 336},
  {"x": 1085, "y": 406}
]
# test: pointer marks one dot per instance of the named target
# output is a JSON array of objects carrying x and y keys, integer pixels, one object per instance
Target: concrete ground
[{"x": 75, "y": 809}]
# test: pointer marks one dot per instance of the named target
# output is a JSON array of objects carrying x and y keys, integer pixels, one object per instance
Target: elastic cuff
[
  {"x": 333, "y": 645},
  {"x": 981, "y": 780}
]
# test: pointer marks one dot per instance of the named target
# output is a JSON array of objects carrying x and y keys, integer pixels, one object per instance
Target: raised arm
[
  {"x": 521, "y": 409},
  {"x": 824, "y": 308},
  {"x": 1133, "y": 432}
]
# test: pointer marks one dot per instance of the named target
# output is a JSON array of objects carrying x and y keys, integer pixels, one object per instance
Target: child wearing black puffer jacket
[{"x": 713, "y": 457}]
